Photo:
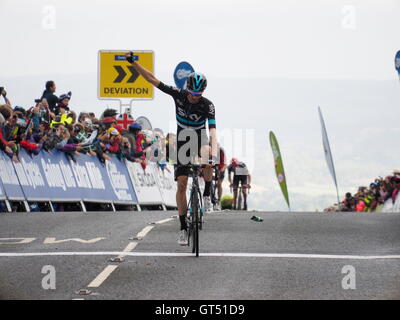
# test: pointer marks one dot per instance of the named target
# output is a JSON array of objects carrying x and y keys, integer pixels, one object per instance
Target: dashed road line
[
  {"x": 128, "y": 250},
  {"x": 102, "y": 276},
  {"x": 164, "y": 221},
  {"x": 144, "y": 232}
]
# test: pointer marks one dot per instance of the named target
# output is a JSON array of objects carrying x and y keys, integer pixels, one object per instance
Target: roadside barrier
[{"x": 56, "y": 177}]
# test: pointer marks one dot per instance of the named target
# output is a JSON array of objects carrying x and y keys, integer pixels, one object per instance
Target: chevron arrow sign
[{"x": 117, "y": 78}]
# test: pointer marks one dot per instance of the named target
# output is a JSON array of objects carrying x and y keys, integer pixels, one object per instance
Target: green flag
[{"x": 280, "y": 172}]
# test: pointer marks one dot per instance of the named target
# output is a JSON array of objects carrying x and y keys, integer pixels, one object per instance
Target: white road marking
[
  {"x": 205, "y": 254},
  {"x": 144, "y": 232},
  {"x": 164, "y": 221},
  {"x": 102, "y": 276},
  {"x": 131, "y": 246},
  {"x": 54, "y": 241},
  {"x": 16, "y": 240}
]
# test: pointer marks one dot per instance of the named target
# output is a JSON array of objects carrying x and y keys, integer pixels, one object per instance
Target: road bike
[
  {"x": 214, "y": 188},
  {"x": 239, "y": 197},
  {"x": 196, "y": 209}
]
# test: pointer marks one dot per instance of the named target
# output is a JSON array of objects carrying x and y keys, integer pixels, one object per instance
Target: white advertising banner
[
  {"x": 166, "y": 184},
  {"x": 2, "y": 195},
  {"x": 389, "y": 206},
  {"x": 145, "y": 183}
]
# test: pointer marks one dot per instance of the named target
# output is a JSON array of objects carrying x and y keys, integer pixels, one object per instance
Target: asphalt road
[{"x": 287, "y": 256}]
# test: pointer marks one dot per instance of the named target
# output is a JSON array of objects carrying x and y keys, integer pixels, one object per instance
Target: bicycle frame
[
  {"x": 195, "y": 206},
  {"x": 213, "y": 190}
]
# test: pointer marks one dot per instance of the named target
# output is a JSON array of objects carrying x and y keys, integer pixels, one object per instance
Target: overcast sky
[{"x": 269, "y": 65}]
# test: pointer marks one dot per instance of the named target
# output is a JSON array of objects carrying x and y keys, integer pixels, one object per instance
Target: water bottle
[{"x": 258, "y": 219}]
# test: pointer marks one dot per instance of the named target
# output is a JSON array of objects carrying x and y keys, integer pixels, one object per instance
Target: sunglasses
[{"x": 195, "y": 94}]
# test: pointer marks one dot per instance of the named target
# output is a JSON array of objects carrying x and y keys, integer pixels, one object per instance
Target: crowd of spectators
[
  {"x": 370, "y": 199},
  {"x": 51, "y": 125}
]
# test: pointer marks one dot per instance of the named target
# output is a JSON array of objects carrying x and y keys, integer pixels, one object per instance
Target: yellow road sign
[{"x": 118, "y": 79}]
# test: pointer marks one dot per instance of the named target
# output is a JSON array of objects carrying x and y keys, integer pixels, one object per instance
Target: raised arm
[{"x": 142, "y": 71}]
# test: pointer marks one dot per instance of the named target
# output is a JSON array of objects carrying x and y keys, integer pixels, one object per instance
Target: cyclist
[
  {"x": 193, "y": 111},
  {"x": 240, "y": 175}
]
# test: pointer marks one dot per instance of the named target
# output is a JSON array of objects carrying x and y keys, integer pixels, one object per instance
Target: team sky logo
[
  {"x": 181, "y": 112},
  {"x": 195, "y": 117},
  {"x": 212, "y": 109}
]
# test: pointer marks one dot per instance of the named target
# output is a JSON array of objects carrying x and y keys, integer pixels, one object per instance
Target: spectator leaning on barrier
[
  {"x": 82, "y": 116},
  {"x": 14, "y": 130},
  {"x": 111, "y": 114},
  {"x": 349, "y": 203},
  {"x": 134, "y": 136},
  {"x": 371, "y": 198},
  {"x": 63, "y": 113},
  {"x": 6, "y": 113}
]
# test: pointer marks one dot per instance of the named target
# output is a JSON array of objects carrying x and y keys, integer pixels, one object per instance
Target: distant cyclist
[
  {"x": 222, "y": 165},
  {"x": 193, "y": 111},
  {"x": 240, "y": 175}
]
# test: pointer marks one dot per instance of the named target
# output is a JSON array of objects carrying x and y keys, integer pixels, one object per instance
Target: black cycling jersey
[
  {"x": 190, "y": 118},
  {"x": 239, "y": 170},
  {"x": 188, "y": 115}
]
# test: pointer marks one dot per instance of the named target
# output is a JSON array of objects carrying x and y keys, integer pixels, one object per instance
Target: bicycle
[
  {"x": 238, "y": 203},
  {"x": 213, "y": 188},
  {"x": 196, "y": 211}
]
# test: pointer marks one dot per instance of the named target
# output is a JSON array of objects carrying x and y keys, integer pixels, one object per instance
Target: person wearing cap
[
  {"x": 63, "y": 103},
  {"x": 112, "y": 114},
  {"x": 110, "y": 140},
  {"x": 64, "y": 99},
  {"x": 134, "y": 136}
]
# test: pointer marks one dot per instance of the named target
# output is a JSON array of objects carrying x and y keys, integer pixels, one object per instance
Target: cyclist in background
[
  {"x": 221, "y": 173},
  {"x": 240, "y": 175}
]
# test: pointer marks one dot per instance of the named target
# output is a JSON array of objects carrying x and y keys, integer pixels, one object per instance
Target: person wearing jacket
[{"x": 49, "y": 95}]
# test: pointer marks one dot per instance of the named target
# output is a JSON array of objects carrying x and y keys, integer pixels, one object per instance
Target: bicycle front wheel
[{"x": 195, "y": 229}]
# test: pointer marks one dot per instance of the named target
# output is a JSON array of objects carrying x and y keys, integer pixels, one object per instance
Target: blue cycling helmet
[
  {"x": 135, "y": 126},
  {"x": 196, "y": 82}
]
